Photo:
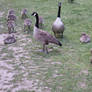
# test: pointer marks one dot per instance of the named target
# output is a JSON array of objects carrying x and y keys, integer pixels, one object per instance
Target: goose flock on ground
[{"x": 39, "y": 34}]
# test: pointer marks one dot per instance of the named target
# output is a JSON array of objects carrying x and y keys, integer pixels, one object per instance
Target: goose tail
[
  {"x": 59, "y": 43},
  {"x": 55, "y": 41}
]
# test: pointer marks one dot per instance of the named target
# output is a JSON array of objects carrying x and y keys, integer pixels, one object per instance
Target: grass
[{"x": 64, "y": 69}]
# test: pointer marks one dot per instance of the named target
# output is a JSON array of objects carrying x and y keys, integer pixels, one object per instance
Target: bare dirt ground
[{"x": 16, "y": 66}]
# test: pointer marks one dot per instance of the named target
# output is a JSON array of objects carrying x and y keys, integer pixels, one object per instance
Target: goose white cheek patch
[{"x": 34, "y": 14}]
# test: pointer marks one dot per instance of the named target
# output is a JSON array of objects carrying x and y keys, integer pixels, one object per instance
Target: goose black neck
[
  {"x": 59, "y": 10},
  {"x": 37, "y": 21}
]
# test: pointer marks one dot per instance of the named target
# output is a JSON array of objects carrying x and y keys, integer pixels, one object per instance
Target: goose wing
[{"x": 48, "y": 38}]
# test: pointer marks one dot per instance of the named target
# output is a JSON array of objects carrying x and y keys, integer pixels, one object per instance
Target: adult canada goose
[
  {"x": 58, "y": 26},
  {"x": 42, "y": 36}
]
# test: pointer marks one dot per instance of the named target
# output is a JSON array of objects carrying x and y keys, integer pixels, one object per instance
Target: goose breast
[{"x": 58, "y": 25}]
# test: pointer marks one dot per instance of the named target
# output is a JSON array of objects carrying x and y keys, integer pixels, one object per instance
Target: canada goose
[
  {"x": 85, "y": 38},
  {"x": 11, "y": 17},
  {"x": 24, "y": 14},
  {"x": 11, "y": 25},
  {"x": 41, "y": 22},
  {"x": 42, "y": 36},
  {"x": 27, "y": 25},
  {"x": 58, "y": 26},
  {"x": 11, "y": 11},
  {"x": 10, "y": 39}
]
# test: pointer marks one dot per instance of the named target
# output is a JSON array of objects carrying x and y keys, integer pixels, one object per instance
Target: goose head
[
  {"x": 37, "y": 19},
  {"x": 34, "y": 14},
  {"x": 59, "y": 4}
]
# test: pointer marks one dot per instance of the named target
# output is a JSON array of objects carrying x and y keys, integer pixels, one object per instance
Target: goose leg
[
  {"x": 55, "y": 34},
  {"x": 46, "y": 49},
  {"x": 43, "y": 47},
  {"x": 62, "y": 34}
]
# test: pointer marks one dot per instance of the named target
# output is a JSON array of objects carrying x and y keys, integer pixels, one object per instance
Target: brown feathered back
[{"x": 44, "y": 36}]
